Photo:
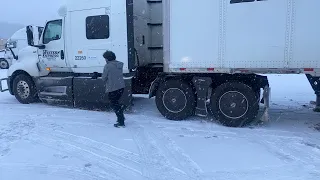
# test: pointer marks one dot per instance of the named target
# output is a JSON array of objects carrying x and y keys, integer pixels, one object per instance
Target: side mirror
[
  {"x": 30, "y": 38},
  {"x": 30, "y": 35},
  {"x": 11, "y": 44}
]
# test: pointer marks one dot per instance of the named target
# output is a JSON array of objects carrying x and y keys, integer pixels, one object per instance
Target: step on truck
[{"x": 200, "y": 57}]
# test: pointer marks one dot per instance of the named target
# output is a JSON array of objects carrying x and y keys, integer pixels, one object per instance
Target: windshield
[{"x": 53, "y": 31}]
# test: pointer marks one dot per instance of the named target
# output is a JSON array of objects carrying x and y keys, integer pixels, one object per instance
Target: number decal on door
[{"x": 80, "y": 58}]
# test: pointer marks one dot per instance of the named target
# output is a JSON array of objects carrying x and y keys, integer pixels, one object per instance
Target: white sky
[{"x": 28, "y": 12}]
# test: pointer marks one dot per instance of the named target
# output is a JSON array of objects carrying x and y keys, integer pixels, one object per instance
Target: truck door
[
  {"x": 90, "y": 33},
  {"x": 53, "y": 53}
]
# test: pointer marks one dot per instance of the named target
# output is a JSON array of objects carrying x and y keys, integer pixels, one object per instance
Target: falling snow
[{"x": 39, "y": 141}]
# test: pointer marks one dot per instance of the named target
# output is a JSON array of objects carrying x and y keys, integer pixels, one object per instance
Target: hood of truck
[{"x": 27, "y": 53}]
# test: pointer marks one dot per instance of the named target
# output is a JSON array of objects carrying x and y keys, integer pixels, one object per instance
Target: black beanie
[{"x": 109, "y": 55}]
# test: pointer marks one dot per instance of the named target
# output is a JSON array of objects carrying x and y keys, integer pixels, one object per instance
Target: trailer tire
[
  {"x": 234, "y": 104},
  {"x": 175, "y": 100},
  {"x": 4, "y": 64},
  {"x": 24, "y": 89}
]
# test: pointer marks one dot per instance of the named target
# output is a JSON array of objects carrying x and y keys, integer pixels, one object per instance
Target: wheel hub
[
  {"x": 174, "y": 100},
  {"x": 3, "y": 64},
  {"x": 23, "y": 89},
  {"x": 233, "y": 104}
]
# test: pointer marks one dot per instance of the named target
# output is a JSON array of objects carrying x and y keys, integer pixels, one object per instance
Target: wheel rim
[
  {"x": 3, "y": 64},
  {"x": 23, "y": 89},
  {"x": 233, "y": 104},
  {"x": 174, "y": 100}
]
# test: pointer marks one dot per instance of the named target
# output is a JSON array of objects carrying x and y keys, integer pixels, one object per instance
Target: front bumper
[
  {"x": 2, "y": 89},
  {"x": 10, "y": 85}
]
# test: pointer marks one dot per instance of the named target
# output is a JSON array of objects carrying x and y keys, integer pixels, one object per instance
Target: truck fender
[{"x": 158, "y": 81}]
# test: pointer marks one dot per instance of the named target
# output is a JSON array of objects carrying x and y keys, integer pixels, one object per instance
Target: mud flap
[
  {"x": 315, "y": 84},
  {"x": 1, "y": 87},
  {"x": 202, "y": 85},
  {"x": 266, "y": 98}
]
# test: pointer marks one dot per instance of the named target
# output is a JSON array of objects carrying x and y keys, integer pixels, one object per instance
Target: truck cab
[
  {"x": 76, "y": 42},
  {"x": 66, "y": 66}
]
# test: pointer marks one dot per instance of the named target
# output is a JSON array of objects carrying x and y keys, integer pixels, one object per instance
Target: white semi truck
[
  {"x": 15, "y": 43},
  {"x": 195, "y": 57}
]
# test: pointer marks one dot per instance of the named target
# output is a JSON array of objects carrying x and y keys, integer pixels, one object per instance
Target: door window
[
  {"x": 53, "y": 31},
  {"x": 97, "y": 27}
]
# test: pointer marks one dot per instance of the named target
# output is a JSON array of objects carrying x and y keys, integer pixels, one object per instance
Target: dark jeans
[{"x": 115, "y": 105}]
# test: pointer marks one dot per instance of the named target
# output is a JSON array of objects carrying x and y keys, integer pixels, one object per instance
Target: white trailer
[{"x": 195, "y": 57}]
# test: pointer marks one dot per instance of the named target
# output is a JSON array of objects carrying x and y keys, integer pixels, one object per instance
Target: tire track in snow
[
  {"x": 111, "y": 168},
  {"x": 76, "y": 152},
  {"x": 284, "y": 145},
  {"x": 156, "y": 165},
  {"x": 276, "y": 150},
  {"x": 288, "y": 150},
  {"x": 190, "y": 167},
  {"x": 14, "y": 132},
  {"x": 70, "y": 172},
  {"x": 97, "y": 146},
  {"x": 284, "y": 172},
  {"x": 303, "y": 150},
  {"x": 196, "y": 132},
  {"x": 274, "y": 144}
]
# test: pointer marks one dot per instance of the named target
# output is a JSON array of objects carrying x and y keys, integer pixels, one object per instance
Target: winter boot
[{"x": 119, "y": 125}]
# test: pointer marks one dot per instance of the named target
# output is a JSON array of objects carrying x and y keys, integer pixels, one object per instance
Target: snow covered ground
[{"x": 39, "y": 142}]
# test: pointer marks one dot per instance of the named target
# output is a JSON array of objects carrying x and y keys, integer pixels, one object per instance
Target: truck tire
[
  {"x": 24, "y": 89},
  {"x": 234, "y": 104},
  {"x": 4, "y": 64},
  {"x": 175, "y": 100}
]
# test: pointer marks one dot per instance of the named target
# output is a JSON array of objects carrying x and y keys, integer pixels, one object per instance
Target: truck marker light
[
  {"x": 210, "y": 69},
  {"x": 48, "y": 69},
  {"x": 308, "y": 69},
  {"x": 79, "y": 52},
  {"x": 183, "y": 69}
]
